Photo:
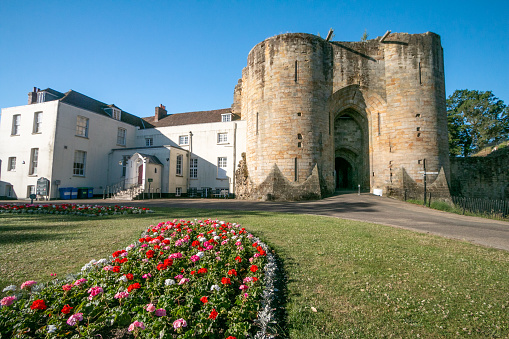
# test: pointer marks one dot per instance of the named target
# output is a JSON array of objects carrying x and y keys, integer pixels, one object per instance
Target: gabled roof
[
  {"x": 189, "y": 118},
  {"x": 151, "y": 159},
  {"x": 82, "y": 101}
]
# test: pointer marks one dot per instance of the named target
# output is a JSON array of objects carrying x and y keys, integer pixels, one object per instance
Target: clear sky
[{"x": 188, "y": 55}]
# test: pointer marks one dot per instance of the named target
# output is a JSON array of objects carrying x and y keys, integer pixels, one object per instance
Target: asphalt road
[{"x": 364, "y": 207}]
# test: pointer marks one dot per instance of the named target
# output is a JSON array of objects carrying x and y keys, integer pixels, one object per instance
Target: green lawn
[{"x": 363, "y": 280}]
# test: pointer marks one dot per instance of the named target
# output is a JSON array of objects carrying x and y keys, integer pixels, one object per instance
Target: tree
[
  {"x": 476, "y": 119},
  {"x": 365, "y": 36}
]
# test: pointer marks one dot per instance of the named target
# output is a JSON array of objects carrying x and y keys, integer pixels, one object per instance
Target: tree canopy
[{"x": 476, "y": 120}]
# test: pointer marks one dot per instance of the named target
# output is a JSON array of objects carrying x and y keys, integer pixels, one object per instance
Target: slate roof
[
  {"x": 189, "y": 118},
  {"x": 152, "y": 159},
  {"x": 82, "y": 101}
]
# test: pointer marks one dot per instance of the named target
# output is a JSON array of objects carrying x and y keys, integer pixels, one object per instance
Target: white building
[{"x": 76, "y": 141}]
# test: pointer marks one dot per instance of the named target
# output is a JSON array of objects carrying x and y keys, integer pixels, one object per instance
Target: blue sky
[{"x": 188, "y": 55}]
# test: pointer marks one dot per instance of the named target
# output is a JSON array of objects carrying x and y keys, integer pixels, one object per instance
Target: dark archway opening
[{"x": 344, "y": 174}]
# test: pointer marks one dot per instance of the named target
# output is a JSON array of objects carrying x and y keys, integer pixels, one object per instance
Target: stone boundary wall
[{"x": 481, "y": 177}]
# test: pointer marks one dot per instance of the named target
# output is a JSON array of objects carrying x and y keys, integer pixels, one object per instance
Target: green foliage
[
  {"x": 365, "y": 36},
  {"x": 475, "y": 119}
]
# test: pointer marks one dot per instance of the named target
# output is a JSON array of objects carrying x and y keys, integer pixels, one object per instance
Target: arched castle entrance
[
  {"x": 356, "y": 113},
  {"x": 351, "y": 150}
]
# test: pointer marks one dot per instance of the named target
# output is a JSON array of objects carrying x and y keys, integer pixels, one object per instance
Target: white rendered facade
[{"x": 80, "y": 142}]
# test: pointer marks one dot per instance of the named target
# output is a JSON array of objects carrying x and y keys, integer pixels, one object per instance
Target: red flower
[
  {"x": 213, "y": 314},
  {"x": 255, "y": 278},
  {"x": 38, "y": 305},
  {"x": 239, "y": 259},
  {"x": 255, "y": 244},
  {"x": 129, "y": 276},
  {"x": 161, "y": 267},
  {"x": 123, "y": 260},
  {"x": 150, "y": 254},
  {"x": 204, "y": 300},
  {"x": 226, "y": 281},
  {"x": 202, "y": 270},
  {"x": 66, "y": 309},
  {"x": 133, "y": 287},
  {"x": 116, "y": 269},
  {"x": 141, "y": 239},
  {"x": 166, "y": 242},
  {"x": 192, "y": 272},
  {"x": 253, "y": 268},
  {"x": 168, "y": 262},
  {"x": 195, "y": 243},
  {"x": 232, "y": 272},
  {"x": 231, "y": 337}
]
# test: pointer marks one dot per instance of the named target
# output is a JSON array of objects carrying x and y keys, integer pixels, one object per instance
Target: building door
[
  {"x": 344, "y": 174},
  {"x": 140, "y": 175}
]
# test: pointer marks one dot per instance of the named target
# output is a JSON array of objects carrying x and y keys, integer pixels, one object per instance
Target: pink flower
[
  {"x": 108, "y": 268},
  {"x": 136, "y": 324},
  {"x": 121, "y": 295},
  {"x": 94, "y": 291},
  {"x": 150, "y": 307},
  {"x": 183, "y": 281},
  {"x": 28, "y": 283},
  {"x": 80, "y": 282},
  {"x": 178, "y": 277},
  {"x": 160, "y": 312},
  {"x": 67, "y": 287},
  {"x": 146, "y": 275},
  {"x": 243, "y": 287},
  {"x": 7, "y": 301},
  {"x": 195, "y": 258},
  {"x": 74, "y": 319},
  {"x": 179, "y": 323}
]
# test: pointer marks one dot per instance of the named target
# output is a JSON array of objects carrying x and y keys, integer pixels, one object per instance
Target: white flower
[
  {"x": 123, "y": 278},
  {"x": 52, "y": 328},
  {"x": 202, "y": 239},
  {"x": 9, "y": 288},
  {"x": 169, "y": 282},
  {"x": 216, "y": 238},
  {"x": 200, "y": 254},
  {"x": 215, "y": 287},
  {"x": 86, "y": 267}
]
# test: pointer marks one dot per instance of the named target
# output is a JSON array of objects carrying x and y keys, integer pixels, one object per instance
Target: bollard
[{"x": 359, "y": 186}]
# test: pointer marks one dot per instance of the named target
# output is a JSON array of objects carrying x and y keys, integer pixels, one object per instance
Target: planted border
[
  {"x": 72, "y": 209},
  {"x": 181, "y": 279}
]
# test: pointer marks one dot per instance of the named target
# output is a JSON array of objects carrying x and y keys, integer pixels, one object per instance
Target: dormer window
[
  {"x": 116, "y": 114},
  {"x": 40, "y": 97},
  {"x": 226, "y": 117}
]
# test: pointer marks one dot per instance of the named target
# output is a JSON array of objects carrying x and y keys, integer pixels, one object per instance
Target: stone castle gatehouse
[{"x": 323, "y": 115}]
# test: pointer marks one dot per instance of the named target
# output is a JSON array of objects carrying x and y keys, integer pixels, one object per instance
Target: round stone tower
[{"x": 285, "y": 88}]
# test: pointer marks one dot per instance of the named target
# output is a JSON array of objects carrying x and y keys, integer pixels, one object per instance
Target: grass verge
[{"x": 363, "y": 280}]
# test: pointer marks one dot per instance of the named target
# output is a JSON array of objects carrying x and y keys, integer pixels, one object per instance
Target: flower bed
[
  {"x": 72, "y": 209},
  {"x": 181, "y": 279}
]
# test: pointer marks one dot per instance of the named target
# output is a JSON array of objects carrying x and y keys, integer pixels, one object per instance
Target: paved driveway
[{"x": 364, "y": 207}]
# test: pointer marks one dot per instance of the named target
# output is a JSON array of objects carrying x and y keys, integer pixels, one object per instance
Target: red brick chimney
[{"x": 160, "y": 112}]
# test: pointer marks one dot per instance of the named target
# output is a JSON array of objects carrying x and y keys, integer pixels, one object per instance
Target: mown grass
[
  {"x": 364, "y": 280},
  {"x": 451, "y": 208}
]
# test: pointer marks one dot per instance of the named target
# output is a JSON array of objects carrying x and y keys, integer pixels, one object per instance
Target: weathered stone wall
[
  {"x": 296, "y": 86},
  {"x": 481, "y": 177}
]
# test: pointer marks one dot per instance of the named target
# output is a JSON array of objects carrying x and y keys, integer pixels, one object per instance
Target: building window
[
  {"x": 82, "y": 127},
  {"x": 41, "y": 97},
  {"x": 121, "y": 136},
  {"x": 184, "y": 140},
  {"x": 222, "y": 138},
  {"x": 149, "y": 142},
  {"x": 8, "y": 191},
  {"x": 16, "y": 120},
  {"x": 30, "y": 190},
  {"x": 221, "y": 167},
  {"x": 178, "y": 191},
  {"x": 80, "y": 158},
  {"x": 193, "y": 169},
  {"x": 34, "y": 159},
  {"x": 125, "y": 158},
  {"x": 11, "y": 165},
  {"x": 226, "y": 117},
  {"x": 299, "y": 136},
  {"x": 37, "y": 122},
  {"x": 116, "y": 114},
  {"x": 179, "y": 165}
]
